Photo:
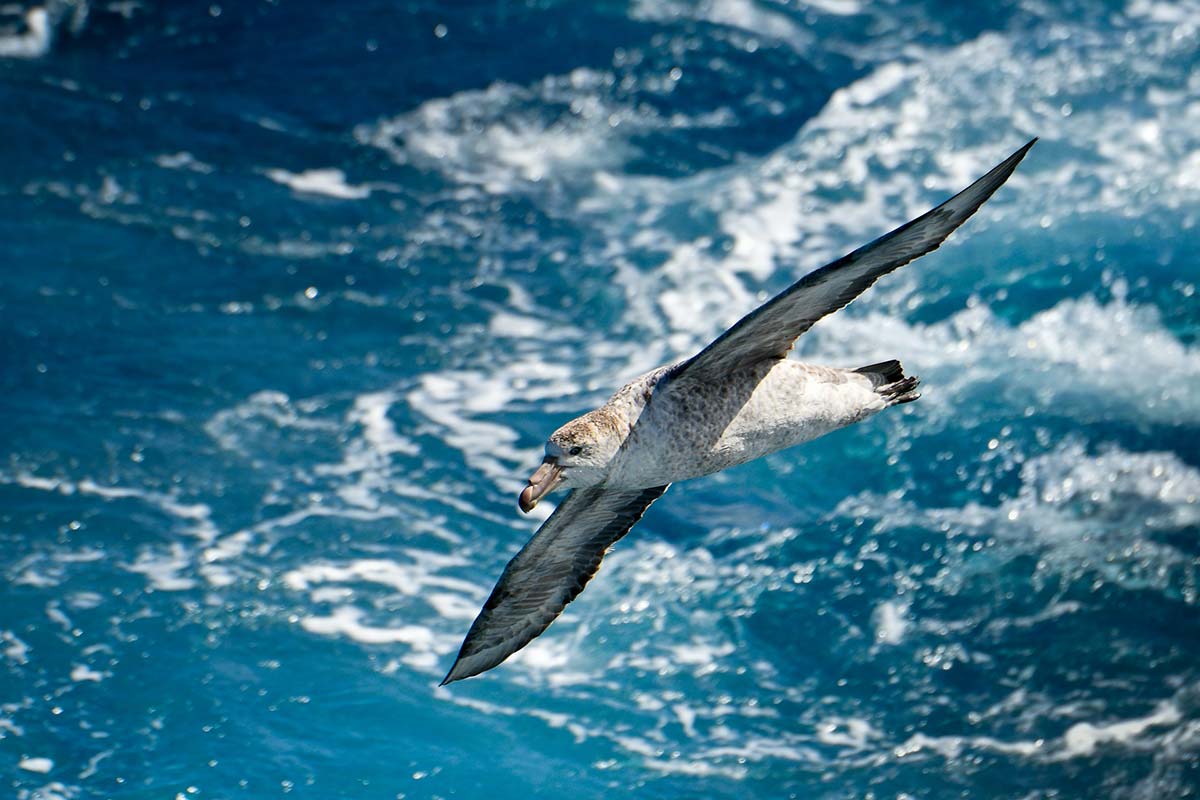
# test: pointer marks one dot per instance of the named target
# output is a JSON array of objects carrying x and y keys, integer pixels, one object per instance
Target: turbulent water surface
[{"x": 293, "y": 291}]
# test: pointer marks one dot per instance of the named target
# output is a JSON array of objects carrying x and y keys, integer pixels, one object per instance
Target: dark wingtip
[
  {"x": 1016, "y": 157},
  {"x": 451, "y": 677},
  {"x": 468, "y": 666},
  {"x": 962, "y": 205},
  {"x": 1008, "y": 165}
]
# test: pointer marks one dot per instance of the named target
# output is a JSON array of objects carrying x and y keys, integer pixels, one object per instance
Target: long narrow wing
[
  {"x": 769, "y": 331},
  {"x": 549, "y": 572}
]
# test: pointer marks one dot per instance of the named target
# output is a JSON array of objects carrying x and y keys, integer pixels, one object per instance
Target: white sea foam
[
  {"x": 951, "y": 747},
  {"x": 411, "y": 579},
  {"x": 166, "y": 570},
  {"x": 696, "y": 767},
  {"x": 302, "y": 248},
  {"x": 368, "y": 457},
  {"x": 182, "y": 160},
  {"x": 372, "y": 453},
  {"x": 891, "y": 622},
  {"x": 419, "y": 578},
  {"x": 369, "y": 478},
  {"x": 810, "y": 201},
  {"x": 83, "y": 601},
  {"x": 1082, "y": 738},
  {"x": 426, "y": 646},
  {"x": 1076, "y": 510},
  {"x": 36, "y": 764},
  {"x": 1091, "y": 360},
  {"x": 90, "y": 769},
  {"x": 324, "y": 182},
  {"x": 56, "y": 615},
  {"x": 561, "y": 140},
  {"x": 851, "y": 732},
  {"x": 501, "y": 139},
  {"x": 370, "y": 446},
  {"x": 55, "y": 790},
  {"x": 1079, "y": 740},
  {"x": 34, "y": 41},
  {"x": 265, "y": 411},
  {"x": 15, "y": 650},
  {"x": 7, "y": 726},
  {"x": 198, "y": 516},
  {"x": 346, "y": 621},
  {"x": 44, "y": 484},
  {"x": 744, "y": 15},
  {"x": 455, "y": 400},
  {"x": 81, "y": 673}
]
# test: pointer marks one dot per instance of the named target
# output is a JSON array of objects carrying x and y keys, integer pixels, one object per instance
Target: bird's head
[{"x": 577, "y": 455}]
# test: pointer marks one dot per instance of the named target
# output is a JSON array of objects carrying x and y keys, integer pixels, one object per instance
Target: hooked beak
[{"x": 541, "y": 483}]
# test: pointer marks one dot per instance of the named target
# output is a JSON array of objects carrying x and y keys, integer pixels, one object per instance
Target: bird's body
[
  {"x": 677, "y": 432},
  {"x": 737, "y": 400}
]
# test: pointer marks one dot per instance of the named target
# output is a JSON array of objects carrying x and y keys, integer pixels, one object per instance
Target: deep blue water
[{"x": 292, "y": 292}]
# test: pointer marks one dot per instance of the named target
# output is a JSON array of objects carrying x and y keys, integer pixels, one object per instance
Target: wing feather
[
  {"x": 769, "y": 331},
  {"x": 549, "y": 572}
]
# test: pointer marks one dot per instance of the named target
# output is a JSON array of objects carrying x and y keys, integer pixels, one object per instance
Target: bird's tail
[{"x": 889, "y": 380}]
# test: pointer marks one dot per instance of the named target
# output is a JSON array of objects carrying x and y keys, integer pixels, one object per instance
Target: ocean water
[{"x": 292, "y": 292}]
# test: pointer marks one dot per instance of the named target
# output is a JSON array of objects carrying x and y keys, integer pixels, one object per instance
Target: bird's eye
[{"x": 576, "y": 450}]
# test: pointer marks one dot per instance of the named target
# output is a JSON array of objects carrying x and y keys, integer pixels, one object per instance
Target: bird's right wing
[
  {"x": 549, "y": 572},
  {"x": 769, "y": 331}
]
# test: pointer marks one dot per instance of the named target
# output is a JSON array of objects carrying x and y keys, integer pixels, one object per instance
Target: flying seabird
[{"x": 738, "y": 399}]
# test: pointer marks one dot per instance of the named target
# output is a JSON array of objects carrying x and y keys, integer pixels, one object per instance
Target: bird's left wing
[
  {"x": 549, "y": 572},
  {"x": 769, "y": 331}
]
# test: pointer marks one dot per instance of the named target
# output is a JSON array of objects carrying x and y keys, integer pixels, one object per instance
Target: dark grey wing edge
[
  {"x": 548, "y": 573},
  {"x": 769, "y": 331}
]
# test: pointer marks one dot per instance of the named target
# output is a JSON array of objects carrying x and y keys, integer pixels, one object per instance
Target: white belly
[{"x": 687, "y": 430}]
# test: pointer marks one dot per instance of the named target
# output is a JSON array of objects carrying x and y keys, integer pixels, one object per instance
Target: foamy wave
[
  {"x": 197, "y": 515},
  {"x": 263, "y": 414},
  {"x": 426, "y": 647},
  {"x": 506, "y": 135},
  {"x": 54, "y": 790},
  {"x": 167, "y": 568},
  {"x": 458, "y": 403},
  {"x": 32, "y": 42},
  {"x": 1080, "y": 740},
  {"x": 1077, "y": 511},
  {"x": 562, "y": 137},
  {"x": 878, "y": 154},
  {"x": 811, "y": 200},
  {"x": 744, "y": 15},
  {"x": 34, "y": 34},
  {"x": 366, "y": 459},
  {"x": 36, "y": 764},
  {"x": 1080, "y": 357},
  {"x": 15, "y": 650},
  {"x": 502, "y": 138},
  {"x": 324, "y": 182},
  {"x": 183, "y": 160},
  {"x": 419, "y": 579},
  {"x": 412, "y": 579}
]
